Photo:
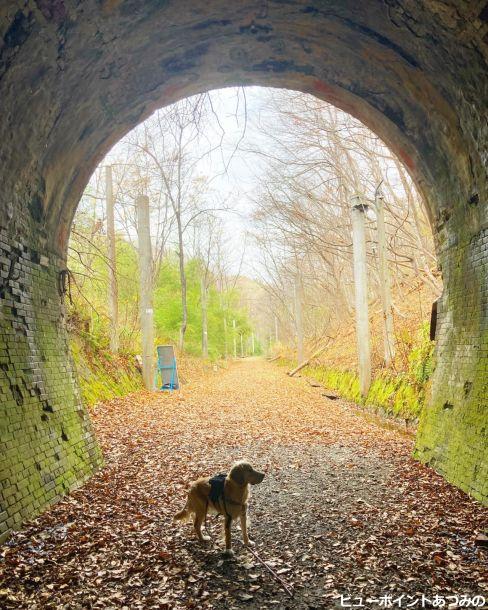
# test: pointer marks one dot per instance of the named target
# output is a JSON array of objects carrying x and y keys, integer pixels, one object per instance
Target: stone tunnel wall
[
  {"x": 76, "y": 76},
  {"x": 453, "y": 433},
  {"x": 47, "y": 445}
]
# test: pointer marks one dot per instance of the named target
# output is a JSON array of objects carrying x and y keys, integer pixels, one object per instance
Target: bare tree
[
  {"x": 171, "y": 146},
  {"x": 207, "y": 245},
  {"x": 318, "y": 159}
]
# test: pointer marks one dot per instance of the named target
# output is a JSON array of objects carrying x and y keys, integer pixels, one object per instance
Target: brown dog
[{"x": 226, "y": 497}]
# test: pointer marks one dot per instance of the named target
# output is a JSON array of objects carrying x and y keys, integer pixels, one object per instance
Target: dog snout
[{"x": 259, "y": 476}]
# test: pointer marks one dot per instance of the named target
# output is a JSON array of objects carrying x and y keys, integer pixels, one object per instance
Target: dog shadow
[{"x": 210, "y": 557}]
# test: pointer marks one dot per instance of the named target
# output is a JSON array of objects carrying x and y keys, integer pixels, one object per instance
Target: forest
[{"x": 249, "y": 195}]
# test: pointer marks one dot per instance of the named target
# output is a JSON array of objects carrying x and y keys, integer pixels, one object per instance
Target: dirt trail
[{"x": 343, "y": 509}]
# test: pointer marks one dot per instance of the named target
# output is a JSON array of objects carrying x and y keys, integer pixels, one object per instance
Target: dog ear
[{"x": 237, "y": 474}]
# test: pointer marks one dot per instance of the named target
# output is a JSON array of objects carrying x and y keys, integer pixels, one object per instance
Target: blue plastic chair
[{"x": 161, "y": 367}]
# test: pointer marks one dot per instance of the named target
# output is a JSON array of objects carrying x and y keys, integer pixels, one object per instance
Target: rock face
[{"x": 76, "y": 76}]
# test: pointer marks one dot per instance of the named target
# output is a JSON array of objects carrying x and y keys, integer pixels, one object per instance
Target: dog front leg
[
  {"x": 245, "y": 537},
  {"x": 228, "y": 540}
]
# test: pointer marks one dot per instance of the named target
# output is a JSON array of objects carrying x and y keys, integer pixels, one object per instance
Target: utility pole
[
  {"x": 145, "y": 290},
  {"x": 225, "y": 337},
  {"x": 203, "y": 298},
  {"x": 361, "y": 293},
  {"x": 112, "y": 264},
  {"x": 235, "y": 338},
  {"x": 385, "y": 285},
  {"x": 299, "y": 321}
]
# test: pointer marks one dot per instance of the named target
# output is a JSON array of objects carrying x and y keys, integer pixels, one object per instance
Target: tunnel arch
[{"x": 75, "y": 77}]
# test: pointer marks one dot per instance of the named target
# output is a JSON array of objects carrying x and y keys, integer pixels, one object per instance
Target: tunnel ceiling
[{"x": 76, "y": 76}]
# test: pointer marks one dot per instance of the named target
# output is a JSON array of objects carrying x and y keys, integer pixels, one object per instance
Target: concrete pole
[
  {"x": 203, "y": 298},
  {"x": 385, "y": 285},
  {"x": 235, "y": 338},
  {"x": 361, "y": 293},
  {"x": 299, "y": 321},
  {"x": 112, "y": 264},
  {"x": 225, "y": 338},
  {"x": 145, "y": 291}
]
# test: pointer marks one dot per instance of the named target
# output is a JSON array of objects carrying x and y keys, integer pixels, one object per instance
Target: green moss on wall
[{"x": 453, "y": 430}]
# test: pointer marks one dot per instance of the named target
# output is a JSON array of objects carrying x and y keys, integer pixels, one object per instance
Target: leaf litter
[{"x": 343, "y": 509}]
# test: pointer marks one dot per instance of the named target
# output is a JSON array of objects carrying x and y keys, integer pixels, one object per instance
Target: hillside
[{"x": 399, "y": 390}]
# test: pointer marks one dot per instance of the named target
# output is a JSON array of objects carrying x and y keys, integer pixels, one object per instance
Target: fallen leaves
[{"x": 343, "y": 509}]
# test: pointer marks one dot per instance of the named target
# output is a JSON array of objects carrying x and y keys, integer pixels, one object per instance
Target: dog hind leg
[
  {"x": 183, "y": 515},
  {"x": 198, "y": 529},
  {"x": 228, "y": 540}
]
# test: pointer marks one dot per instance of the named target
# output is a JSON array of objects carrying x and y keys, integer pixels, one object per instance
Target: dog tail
[{"x": 183, "y": 515}]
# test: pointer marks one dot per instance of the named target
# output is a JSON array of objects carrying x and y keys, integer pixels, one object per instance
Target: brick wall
[
  {"x": 453, "y": 432},
  {"x": 46, "y": 443}
]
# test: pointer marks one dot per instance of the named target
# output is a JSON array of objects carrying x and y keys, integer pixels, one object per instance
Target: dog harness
[
  {"x": 217, "y": 484},
  {"x": 217, "y": 487}
]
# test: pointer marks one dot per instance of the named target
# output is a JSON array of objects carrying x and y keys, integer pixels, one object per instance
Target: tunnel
[{"x": 75, "y": 77}]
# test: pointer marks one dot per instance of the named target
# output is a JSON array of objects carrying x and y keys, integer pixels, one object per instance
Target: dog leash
[{"x": 276, "y": 576}]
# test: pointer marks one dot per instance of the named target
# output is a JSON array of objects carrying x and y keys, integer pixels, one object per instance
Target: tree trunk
[
  {"x": 384, "y": 284},
  {"x": 225, "y": 337},
  {"x": 184, "y": 304},
  {"x": 302, "y": 365},
  {"x": 112, "y": 264},
  {"x": 235, "y": 338},
  {"x": 299, "y": 322}
]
